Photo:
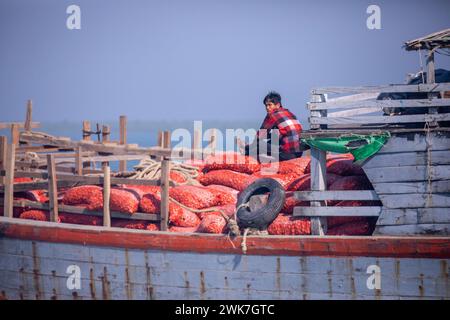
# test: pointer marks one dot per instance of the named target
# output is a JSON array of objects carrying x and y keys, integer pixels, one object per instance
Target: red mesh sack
[
  {"x": 360, "y": 228},
  {"x": 303, "y": 183},
  {"x": 284, "y": 179},
  {"x": 289, "y": 225},
  {"x": 336, "y": 221},
  {"x": 231, "y": 161},
  {"x": 38, "y": 215},
  {"x": 138, "y": 224},
  {"x": 177, "y": 177},
  {"x": 212, "y": 224},
  {"x": 225, "y": 194},
  {"x": 342, "y": 165},
  {"x": 183, "y": 229},
  {"x": 23, "y": 179},
  {"x": 83, "y": 219},
  {"x": 352, "y": 183},
  {"x": 89, "y": 196},
  {"x": 123, "y": 200},
  {"x": 194, "y": 197},
  {"x": 297, "y": 166},
  {"x": 181, "y": 217},
  {"x": 141, "y": 190},
  {"x": 227, "y": 210},
  {"x": 232, "y": 179}
]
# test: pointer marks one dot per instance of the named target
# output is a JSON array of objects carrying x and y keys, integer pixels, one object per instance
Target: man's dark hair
[{"x": 273, "y": 97}]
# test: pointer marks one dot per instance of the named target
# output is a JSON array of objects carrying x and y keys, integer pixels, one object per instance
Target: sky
[{"x": 171, "y": 60}]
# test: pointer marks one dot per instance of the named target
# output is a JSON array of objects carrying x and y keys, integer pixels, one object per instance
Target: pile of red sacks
[{"x": 222, "y": 177}]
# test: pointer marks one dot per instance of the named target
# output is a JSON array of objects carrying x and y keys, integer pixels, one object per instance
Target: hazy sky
[{"x": 198, "y": 59}]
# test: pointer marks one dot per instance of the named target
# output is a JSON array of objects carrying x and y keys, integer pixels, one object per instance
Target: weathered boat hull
[{"x": 120, "y": 264}]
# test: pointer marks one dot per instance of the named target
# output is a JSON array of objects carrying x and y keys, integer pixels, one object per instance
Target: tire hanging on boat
[{"x": 263, "y": 216}]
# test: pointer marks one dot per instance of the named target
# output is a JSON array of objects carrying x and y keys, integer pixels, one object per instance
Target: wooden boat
[{"x": 407, "y": 257}]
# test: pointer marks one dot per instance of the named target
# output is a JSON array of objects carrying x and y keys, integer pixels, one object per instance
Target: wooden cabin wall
[{"x": 411, "y": 175}]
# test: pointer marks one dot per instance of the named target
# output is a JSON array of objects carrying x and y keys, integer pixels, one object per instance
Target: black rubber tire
[{"x": 264, "y": 216}]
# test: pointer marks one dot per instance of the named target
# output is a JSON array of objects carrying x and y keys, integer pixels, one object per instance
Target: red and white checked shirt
[{"x": 289, "y": 127}]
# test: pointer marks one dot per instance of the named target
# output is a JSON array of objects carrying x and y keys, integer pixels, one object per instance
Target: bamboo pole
[
  {"x": 15, "y": 134},
  {"x": 123, "y": 140},
  {"x": 164, "y": 182},
  {"x": 28, "y": 117},
  {"x": 52, "y": 188},
  {"x": 106, "y": 196},
  {"x": 3, "y": 155},
  {"x": 9, "y": 180}
]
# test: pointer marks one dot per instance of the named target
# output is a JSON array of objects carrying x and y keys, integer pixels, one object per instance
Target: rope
[{"x": 151, "y": 170}]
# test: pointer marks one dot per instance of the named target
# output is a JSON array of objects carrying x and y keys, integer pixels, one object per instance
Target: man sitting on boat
[{"x": 289, "y": 130}]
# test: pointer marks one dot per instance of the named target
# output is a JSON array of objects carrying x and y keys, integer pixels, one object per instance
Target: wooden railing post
[
  {"x": 28, "y": 118},
  {"x": 106, "y": 132},
  {"x": 52, "y": 188},
  {"x": 3, "y": 155},
  {"x": 78, "y": 161},
  {"x": 106, "y": 196},
  {"x": 164, "y": 183},
  {"x": 197, "y": 152},
  {"x": 15, "y": 134},
  {"x": 318, "y": 183},
  {"x": 86, "y": 130},
  {"x": 9, "y": 180},
  {"x": 318, "y": 113},
  {"x": 123, "y": 140}
]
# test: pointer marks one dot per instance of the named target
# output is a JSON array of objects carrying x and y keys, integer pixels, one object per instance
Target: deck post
[
  {"x": 123, "y": 140},
  {"x": 86, "y": 130},
  {"x": 52, "y": 188},
  {"x": 318, "y": 183},
  {"x": 164, "y": 183},
  {"x": 15, "y": 134},
  {"x": 197, "y": 145},
  {"x": 106, "y": 132},
  {"x": 106, "y": 196},
  {"x": 212, "y": 145},
  {"x": 78, "y": 161},
  {"x": 9, "y": 180},
  {"x": 317, "y": 98},
  {"x": 3, "y": 155},
  {"x": 28, "y": 115}
]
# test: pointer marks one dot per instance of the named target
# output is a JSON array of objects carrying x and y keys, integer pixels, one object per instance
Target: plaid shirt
[{"x": 289, "y": 127}]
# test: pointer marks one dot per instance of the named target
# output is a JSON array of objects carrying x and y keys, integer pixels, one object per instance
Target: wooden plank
[
  {"x": 337, "y": 212},
  {"x": 407, "y": 159},
  {"x": 21, "y": 125},
  {"x": 15, "y": 134},
  {"x": 115, "y": 158},
  {"x": 28, "y": 117},
  {"x": 413, "y": 216},
  {"x": 81, "y": 210},
  {"x": 3, "y": 156},
  {"x": 318, "y": 183},
  {"x": 408, "y": 173},
  {"x": 416, "y": 200},
  {"x": 414, "y": 229},
  {"x": 385, "y": 88},
  {"x": 78, "y": 161},
  {"x": 9, "y": 181},
  {"x": 164, "y": 181},
  {"x": 381, "y": 119},
  {"x": 88, "y": 179},
  {"x": 353, "y": 112},
  {"x": 52, "y": 188},
  {"x": 91, "y": 146},
  {"x": 441, "y": 186},
  {"x": 86, "y": 130},
  {"x": 106, "y": 196},
  {"x": 410, "y": 142},
  {"x": 379, "y": 104},
  {"x": 336, "y": 195},
  {"x": 318, "y": 99},
  {"x": 123, "y": 140}
]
